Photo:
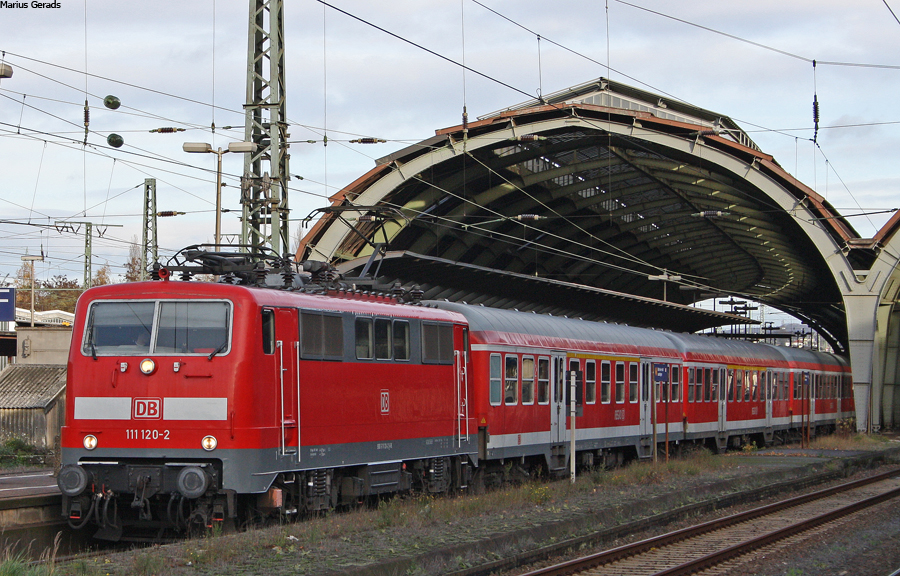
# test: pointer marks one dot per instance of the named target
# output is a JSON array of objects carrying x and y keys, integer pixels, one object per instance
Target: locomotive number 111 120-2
[{"x": 146, "y": 434}]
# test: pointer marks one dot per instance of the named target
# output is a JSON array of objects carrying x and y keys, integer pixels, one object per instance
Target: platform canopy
[{"x": 602, "y": 186}]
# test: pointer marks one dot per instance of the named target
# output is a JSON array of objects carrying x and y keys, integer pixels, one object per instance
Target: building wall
[
  {"x": 43, "y": 344},
  {"x": 35, "y": 426}
]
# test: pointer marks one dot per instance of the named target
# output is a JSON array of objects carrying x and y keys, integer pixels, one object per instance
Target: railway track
[{"x": 716, "y": 543}]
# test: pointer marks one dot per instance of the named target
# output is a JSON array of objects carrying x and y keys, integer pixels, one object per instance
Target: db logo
[
  {"x": 148, "y": 408},
  {"x": 385, "y": 402}
]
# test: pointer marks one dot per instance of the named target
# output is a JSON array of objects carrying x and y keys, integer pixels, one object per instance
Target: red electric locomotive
[
  {"x": 276, "y": 392},
  {"x": 193, "y": 402}
]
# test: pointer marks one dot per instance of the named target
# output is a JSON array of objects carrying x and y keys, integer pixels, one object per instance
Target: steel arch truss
[{"x": 606, "y": 198}]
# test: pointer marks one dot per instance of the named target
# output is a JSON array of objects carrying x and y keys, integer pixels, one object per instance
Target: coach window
[
  {"x": 364, "y": 338},
  {"x": 699, "y": 386},
  {"x": 401, "y": 340},
  {"x": 382, "y": 339},
  {"x": 511, "y": 390},
  {"x": 590, "y": 381},
  {"x": 543, "y": 380},
  {"x": 620, "y": 382},
  {"x": 633, "y": 381},
  {"x": 692, "y": 382},
  {"x": 708, "y": 374},
  {"x": 753, "y": 393},
  {"x": 604, "y": 381},
  {"x": 496, "y": 380},
  {"x": 527, "y": 380},
  {"x": 676, "y": 383},
  {"x": 730, "y": 385}
]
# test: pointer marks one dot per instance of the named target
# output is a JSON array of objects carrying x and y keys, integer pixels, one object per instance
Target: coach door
[
  {"x": 462, "y": 389},
  {"x": 769, "y": 384},
  {"x": 725, "y": 384},
  {"x": 557, "y": 400},
  {"x": 287, "y": 353},
  {"x": 646, "y": 404}
]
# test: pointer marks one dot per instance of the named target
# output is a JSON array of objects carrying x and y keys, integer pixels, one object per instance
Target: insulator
[
  {"x": 530, "y": 138},
  {"x": 165, "y": 213},
  {"x": 465, "y": 120},
  {"x": 815, "y": 109},
  {"x": 186, "y": 276},
  {"x": 368, "y": 141},
  {"x": 522, "y": 217},
  {"x": 87, "y": 114},
  {"x": 167, "y": 130}
]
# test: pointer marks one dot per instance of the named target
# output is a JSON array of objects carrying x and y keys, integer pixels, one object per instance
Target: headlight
[
  {"x": 148, "y": 366},
  {"x": 90, "y": 442},
  {"x": 209, "y": 443}
]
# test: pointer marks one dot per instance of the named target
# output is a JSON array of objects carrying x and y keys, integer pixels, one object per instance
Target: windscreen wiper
[{"x": 219, "y": 349}]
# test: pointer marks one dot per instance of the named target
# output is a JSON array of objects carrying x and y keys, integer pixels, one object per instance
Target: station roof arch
[{"x": 571, "y": 204}]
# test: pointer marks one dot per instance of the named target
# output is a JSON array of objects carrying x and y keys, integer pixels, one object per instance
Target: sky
[{"x": 182, "y": 64}]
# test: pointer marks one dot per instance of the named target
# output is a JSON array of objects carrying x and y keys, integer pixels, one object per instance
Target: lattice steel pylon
[
  {"x": 264, "y": 194},
  {"x": 149, "y": 239}
]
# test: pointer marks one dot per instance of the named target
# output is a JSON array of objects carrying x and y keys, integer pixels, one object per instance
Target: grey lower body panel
[{"x": 248, "y": 471}]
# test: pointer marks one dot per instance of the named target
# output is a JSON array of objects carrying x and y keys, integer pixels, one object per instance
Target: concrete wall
[{"x": 43, "y": 344}]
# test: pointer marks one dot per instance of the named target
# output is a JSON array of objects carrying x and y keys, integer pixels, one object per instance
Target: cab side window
[{"x": 268, "y": 331}]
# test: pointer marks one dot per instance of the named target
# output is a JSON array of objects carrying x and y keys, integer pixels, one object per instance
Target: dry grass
[
  {"x": 852, "y": 442},
  {"x": 410, "y": 525}
]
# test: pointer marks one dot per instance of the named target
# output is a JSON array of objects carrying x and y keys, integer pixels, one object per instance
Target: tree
[
  {"x": 58, "y": 293},
  {"x": 23, "y": 286},
  {"x": 102, "y": 277},
  {"x": 133, "y": 265}
]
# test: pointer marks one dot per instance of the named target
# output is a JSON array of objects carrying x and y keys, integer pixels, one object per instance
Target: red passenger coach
[
  {"x": 636, "y": 388},
  {"x": 190, "y": 402},
  {"x": 520, "y": 371}
]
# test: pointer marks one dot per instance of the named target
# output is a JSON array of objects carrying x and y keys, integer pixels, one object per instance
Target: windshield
[{"x": 167, "y": 327}]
